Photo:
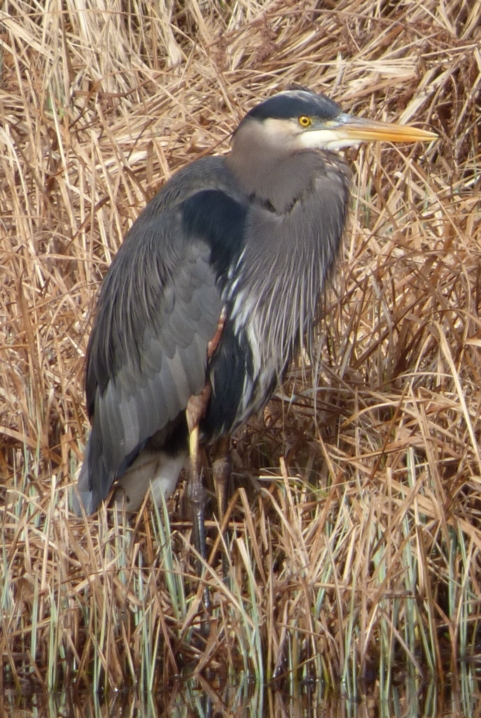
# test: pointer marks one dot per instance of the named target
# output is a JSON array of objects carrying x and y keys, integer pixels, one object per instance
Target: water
[{"x": 204, "y": 698}]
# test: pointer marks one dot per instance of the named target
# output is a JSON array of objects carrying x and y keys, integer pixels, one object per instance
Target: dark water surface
[{"x": 199, "y": 697}]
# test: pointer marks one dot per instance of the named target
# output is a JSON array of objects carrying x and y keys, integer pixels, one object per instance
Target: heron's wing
[{"x": 159, "y": 307}]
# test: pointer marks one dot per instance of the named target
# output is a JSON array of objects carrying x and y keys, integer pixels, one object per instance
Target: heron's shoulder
[{"x": 207, "y": 173}]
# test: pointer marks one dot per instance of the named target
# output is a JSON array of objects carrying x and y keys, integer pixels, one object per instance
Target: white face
[{"x": 328, "y": 139}]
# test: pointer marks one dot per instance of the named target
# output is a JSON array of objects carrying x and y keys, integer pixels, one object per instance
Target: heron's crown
[{"x": 294, "y": 103}]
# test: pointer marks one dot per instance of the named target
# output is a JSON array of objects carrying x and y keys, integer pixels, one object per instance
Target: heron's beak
[
  {"x": 348, "y": 131},
  {"x": 357, "y": 129}
]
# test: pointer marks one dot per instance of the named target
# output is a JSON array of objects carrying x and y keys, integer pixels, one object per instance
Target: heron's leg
[
  {"x": 196, "y": 408},
  {"x": 196, "y": 495},
  {"x": 221, "y": 468},
  {"x": 221, "y": 471}
]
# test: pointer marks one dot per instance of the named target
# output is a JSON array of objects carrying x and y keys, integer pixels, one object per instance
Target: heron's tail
[{"x": 152, "y": 468}]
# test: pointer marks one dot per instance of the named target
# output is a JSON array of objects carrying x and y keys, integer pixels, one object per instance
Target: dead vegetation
[{"x": 356, "y": 546}]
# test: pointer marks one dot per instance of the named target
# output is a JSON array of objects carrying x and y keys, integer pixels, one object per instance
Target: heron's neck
[
  {"x": 275, "y": 176},
  {"x": 289, "y": 252}
]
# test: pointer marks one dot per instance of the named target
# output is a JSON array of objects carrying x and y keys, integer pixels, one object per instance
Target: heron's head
[
  {"x": 299, "y": 119},
  {"x": 270, "y": 150}
]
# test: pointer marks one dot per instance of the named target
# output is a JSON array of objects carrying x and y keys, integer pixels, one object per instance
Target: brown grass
[{"x": 358, "y": 541}]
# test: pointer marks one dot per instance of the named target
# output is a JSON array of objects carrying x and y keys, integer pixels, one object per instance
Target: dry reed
[{"x": 354, "y": 531}]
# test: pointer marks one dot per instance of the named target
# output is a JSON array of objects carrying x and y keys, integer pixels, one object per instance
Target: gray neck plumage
[{"x": 294, "y": 233}]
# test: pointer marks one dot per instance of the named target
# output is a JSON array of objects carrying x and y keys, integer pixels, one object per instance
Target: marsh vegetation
[{"x": 354, "y": 532}]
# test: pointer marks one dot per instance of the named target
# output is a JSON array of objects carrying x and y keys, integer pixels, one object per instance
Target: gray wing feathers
[
  {"x": 173, "y": 360},
  {"x": 159, "y": 307},
  {"x": 156, "y": 379}
]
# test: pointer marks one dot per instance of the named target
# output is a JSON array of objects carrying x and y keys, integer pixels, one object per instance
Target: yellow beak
[{"x": 355, "y": 129}]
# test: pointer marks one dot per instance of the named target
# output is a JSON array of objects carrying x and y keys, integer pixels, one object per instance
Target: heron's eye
[{"x": 304, "y": 121}]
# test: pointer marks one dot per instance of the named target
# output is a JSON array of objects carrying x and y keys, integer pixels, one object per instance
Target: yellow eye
[{"x": 304, "y": 121}]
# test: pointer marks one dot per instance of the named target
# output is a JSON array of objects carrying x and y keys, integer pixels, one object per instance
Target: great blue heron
[{"x": 212, "y": 291}]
